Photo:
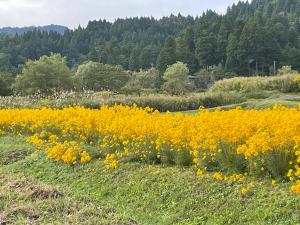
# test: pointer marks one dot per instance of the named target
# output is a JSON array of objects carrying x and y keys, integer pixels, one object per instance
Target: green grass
[
  {"x": 268, "y": 103},
  {"x": 225, "y": 107},
  {"x": 13, "y": 149},
  {"x": 134, "y": 194},
  {"x": 289, "y": 100},
  {"x": 24, "y": 201}
]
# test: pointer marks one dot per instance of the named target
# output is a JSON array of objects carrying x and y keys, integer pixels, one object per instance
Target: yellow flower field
[{"x": 263, "y": 143}]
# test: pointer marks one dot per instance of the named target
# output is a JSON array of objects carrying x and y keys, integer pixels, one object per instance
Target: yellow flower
[
  {"x": 111, "y": 161},
  {"x": 146, "y": 135},
  {"x": 251, "y": 184},
  {"x": 85, "y": 157},
  {"x": 218, "y": 176},
  {"x": 199, "y": 172},
  {"x": 244, "y": 190},
  {"x": 296, "y": 188}
]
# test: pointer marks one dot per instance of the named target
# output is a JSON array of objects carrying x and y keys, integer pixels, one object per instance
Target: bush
[
  {"x": 141, "y": 82},
  {"x": 46, "y": 75},
  {"x": 176, "y": 77},
  {"x": 247, "y": 85},
  {"x": 286, "y": 70},
  {"x": 97, "y": 77},
  {"x": 206, "y": 77}
]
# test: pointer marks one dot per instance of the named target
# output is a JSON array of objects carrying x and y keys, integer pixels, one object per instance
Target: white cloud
[
  {"x": 9, "y": 5},
  {"x": 74, "y": 12}
]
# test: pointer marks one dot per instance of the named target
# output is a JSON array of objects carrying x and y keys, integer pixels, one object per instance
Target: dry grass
[
  {"x": 284, "y": 83},
  {"x": 160, "y": 102}
]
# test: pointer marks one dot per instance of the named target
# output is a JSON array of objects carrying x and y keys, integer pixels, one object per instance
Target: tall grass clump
[
  {"x": 247, "y": 85},
  {"x": 95, "y": 100},
  {"x": 165, "y": 103}
]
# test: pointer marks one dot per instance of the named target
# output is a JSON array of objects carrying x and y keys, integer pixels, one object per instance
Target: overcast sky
[{"x": 74, "y": 12}]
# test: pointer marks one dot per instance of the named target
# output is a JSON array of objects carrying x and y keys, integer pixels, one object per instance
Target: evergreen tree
[
  {"x": 167, "y": 55},
  {"x": 206, "y": 50},
  {"x": 190, "y": 39},
  {"x": 134, "y": 63},
  {"x": 264, "y": 31},
  {"x": 183, "y": 54},
  {"x": 93, "y": 55},
  {"x": 232, "y": 59}
]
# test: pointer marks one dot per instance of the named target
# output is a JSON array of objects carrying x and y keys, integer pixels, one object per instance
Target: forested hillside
[
  {"x": 248, "y": 39},
  {"x": 22, "y": 30}
]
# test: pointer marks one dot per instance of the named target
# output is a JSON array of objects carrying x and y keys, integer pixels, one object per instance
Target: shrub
[
  {"x": 143, "y": 81},
  {"x": 97, "y": 77},
  {"x": 176, "y": 77},
  {"x": 46, "y": 75},
  {"x": 286, "y": 70},
  {"x": 206, "y": 77},
  {"x": 284, "y": 83}
]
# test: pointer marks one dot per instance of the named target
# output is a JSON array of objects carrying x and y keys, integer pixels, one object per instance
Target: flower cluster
[
  {"x": 296, "y": 188},
  {"x": 260, "y": 142},
  {"x": 111, "y": 161},
  {"x": 68, "y": 151},
  {"x": 234, "y": 177}
]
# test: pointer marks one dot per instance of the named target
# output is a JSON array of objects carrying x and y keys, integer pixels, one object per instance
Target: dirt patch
[
  {"x": 28, "y": 213},
  {"x": 20, "y": 184},
  {"x": 3, "y": 179},
  {"x": 86, "y": 199},
  {"x": 42, "y": 194},
  {"x": 2, "y": 197},
  {"x": 28, "y": 202},
  {"x": 13, "y": 156},
  {"x": 34, "y": 192},
  {"x": 132, "y": 222},
  {"x": 3, "y": 219}
]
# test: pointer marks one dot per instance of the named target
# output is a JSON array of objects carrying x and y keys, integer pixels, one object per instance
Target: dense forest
[
  {"x": 22, "y": 30},
  {"x": 248, "y": 39}
]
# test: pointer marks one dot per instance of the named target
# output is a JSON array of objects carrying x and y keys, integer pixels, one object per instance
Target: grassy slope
[
  {"x": 24, "y": 200},
  {"x": 288, "y": 100},
  {"x": 145, "y": 193}
]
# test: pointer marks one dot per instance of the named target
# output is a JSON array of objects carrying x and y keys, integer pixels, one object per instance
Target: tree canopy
[
  {"x": 97, "y": 77},
  {"x": 46, "y": 75},
  {"x": 249, "y": 37},
  {"x": 176, "y": 77}
]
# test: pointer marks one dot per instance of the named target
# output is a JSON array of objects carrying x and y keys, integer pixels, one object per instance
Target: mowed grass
[
  {"x": 24, "y": 200},
  {"x": 133, "y": 194}
]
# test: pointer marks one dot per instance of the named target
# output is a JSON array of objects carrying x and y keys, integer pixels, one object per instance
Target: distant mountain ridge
[{"x": 21, "y": 30}]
